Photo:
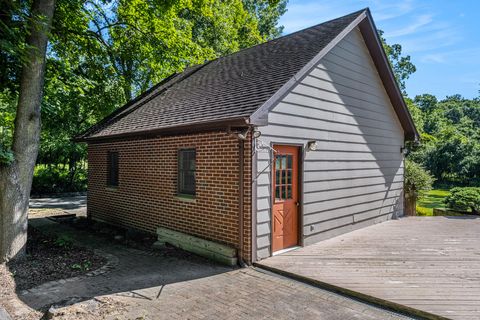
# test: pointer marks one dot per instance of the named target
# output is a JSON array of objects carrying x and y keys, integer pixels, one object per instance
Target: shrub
[
  {"x": 57, "y": 179},
  {"x": 464, "y": 199},
  {"x": 421, "y": 211},
  {"x": 417, "y": 179},
  {"x": 64, "y": 241}
]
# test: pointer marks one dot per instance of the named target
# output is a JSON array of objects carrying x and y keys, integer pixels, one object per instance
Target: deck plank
[{"x": 428, "y": 263}]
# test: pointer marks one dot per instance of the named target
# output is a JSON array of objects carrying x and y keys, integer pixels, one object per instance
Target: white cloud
[
  {"x": 435, "y": 58},
  {"x": 420, "y": 22},
  {"x": 454, "y": 57}
]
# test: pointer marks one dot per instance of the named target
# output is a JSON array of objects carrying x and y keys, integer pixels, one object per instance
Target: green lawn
[{"x": 432, "y": 199}]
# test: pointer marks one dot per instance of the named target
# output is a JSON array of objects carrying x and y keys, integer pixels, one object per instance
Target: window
[
  {"x": 283, "y": 177},
  {"x": 112, "y": 169},
  {"x": 186, "y": 172}
]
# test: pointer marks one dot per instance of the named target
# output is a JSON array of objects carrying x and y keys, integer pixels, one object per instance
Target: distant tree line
[{"x": 450, "y": 138}]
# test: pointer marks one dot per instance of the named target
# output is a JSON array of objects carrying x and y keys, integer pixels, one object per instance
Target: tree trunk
[
  {"x": 410, "y": 205},
  {"x": 16, "y": 179}
]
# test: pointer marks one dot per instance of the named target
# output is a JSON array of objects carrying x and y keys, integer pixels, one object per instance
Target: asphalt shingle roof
[{"x": 229, "y": 87}]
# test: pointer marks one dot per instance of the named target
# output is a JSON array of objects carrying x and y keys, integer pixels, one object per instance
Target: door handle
[{"x": 297, "y": 203}]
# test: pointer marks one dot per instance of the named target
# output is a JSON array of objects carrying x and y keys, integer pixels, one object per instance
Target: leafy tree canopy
[
  {"x": 102, "y": 53},
  {"x": 402, "y": 65}
]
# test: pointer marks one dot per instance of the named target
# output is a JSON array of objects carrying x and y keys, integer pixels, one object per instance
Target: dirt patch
[
  {"x": 9, "y": 300},
  {"x": 34, "y": 213},
  {"x": 49, "y": 258},
  {"x": 8, "y": 284}
]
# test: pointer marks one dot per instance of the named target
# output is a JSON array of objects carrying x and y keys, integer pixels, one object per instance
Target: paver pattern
[
  {"x": 152, "y": 286},
  {"x": 428, "y": 263}
]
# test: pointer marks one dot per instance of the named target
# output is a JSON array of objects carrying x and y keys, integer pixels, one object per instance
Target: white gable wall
[{"x": 355, "y": 178}]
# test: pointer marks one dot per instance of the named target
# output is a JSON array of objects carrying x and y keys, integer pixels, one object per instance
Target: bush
[
  {"x": 56, "y": 180},
  {"x": 464, "y": 199},
  {"x": 417, "y": 179},
  {"x": 421, "y": 211}
]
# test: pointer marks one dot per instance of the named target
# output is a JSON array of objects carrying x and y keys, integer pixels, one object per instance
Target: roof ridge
[{"x": 291, "y": 34}]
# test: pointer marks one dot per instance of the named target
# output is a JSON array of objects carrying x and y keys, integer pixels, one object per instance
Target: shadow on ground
[
  {"x": 66, "y": 203},
  {"x": 128, "y": 270}
]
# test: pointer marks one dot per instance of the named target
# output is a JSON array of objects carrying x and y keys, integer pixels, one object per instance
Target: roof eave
[{"x": 205, "y": 126}]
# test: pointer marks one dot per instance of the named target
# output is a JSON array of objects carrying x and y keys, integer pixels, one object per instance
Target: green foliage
[
  {"x": 416, "y": 113},
  {"x": 402, "y": 66},
  {"x": 464, "y": 199},
  {"x": 417, "y": 179},
  {"x": 267, "y": 14},
  {"x": 64, "y": 241},
  {"x": 57, "y": 179},
  {"x": 450, "y": 144},
  {"x": 421, "y": 211},
  {"x": 83, "y": 266},
  {"x": 7, "y": 118},
  {"x": 6, "y": 156},
  {"x": 102, "y": 53},
  {"x": 430, "y": 200}
]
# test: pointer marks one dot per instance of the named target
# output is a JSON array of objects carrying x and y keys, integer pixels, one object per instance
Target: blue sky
[{"x": 441, "y": 36}]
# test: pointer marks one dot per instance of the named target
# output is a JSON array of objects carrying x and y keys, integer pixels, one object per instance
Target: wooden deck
[{"x": 427, "y": 263}]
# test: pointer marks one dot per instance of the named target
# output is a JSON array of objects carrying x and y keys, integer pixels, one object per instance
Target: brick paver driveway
[
  {"x": 143, "y": 285},
  {"x": 428, "y": 263}
]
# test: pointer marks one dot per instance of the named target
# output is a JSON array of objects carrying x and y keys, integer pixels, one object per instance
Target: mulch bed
[{"x": 50, "y": 258}]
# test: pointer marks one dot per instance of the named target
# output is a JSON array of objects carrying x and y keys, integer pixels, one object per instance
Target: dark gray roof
[{"x": 230, "y": 87}]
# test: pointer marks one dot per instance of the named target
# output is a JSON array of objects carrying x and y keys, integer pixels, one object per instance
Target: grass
[{"x": 432, "y": 199}]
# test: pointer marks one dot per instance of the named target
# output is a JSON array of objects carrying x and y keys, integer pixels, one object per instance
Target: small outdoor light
[
  {"x": 256, "y": 134},
  {"x": 243, "y": 135},
  {"x": 403, "y": 150},
  {"x": 312, "y": 145}
]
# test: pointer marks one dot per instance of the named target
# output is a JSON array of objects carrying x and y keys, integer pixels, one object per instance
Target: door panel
[{"x": 285, "y": 197}]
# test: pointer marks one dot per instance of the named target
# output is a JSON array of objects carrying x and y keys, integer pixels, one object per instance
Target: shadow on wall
[
  {"x": 355, "y": 177},
  {"x": 364, "y": 136}
]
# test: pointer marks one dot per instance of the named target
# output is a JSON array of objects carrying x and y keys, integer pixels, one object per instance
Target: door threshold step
[{"x": 276, "y": 253}]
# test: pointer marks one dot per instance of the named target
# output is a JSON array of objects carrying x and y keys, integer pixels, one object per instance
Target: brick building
[{"x": 280, "y": 145}]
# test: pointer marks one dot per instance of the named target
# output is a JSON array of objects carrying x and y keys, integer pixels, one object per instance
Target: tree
[
  {"x": 267, "y": 13},
  {"x": 417, "y": 182},
  {"x": 16, "y": 177},
  {"x": 102, "y": 53},
  {"x": 450, "y": 146},
  {"x": 402, "y": 66},
  {"x": 426, "y": 102}
]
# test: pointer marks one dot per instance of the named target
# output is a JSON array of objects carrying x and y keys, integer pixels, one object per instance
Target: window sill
[
  {"x": 186, "y": 198},
  {"x": 111, "y": 188}
]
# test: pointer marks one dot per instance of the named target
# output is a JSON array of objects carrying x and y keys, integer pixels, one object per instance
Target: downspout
[{"x": 241, "y": 150}]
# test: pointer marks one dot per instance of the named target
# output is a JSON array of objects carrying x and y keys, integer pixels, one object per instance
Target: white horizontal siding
[{"x": 355, "y": 177}]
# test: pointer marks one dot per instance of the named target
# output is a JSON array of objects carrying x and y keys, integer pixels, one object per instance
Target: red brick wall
[{"x": 146, "y": 197}]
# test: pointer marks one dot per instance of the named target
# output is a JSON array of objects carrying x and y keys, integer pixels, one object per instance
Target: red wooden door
[{"x": 285, "y": 197}]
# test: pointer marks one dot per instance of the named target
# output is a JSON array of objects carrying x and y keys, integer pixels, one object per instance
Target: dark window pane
[
  {"x": 284, "y": 192},
  {"x": 112, "y": 168},
  {"x": 277, "y": 192},
  {"x": 289, "y": 192},
  {"x": 284, "y": 177},
  {"x": 186, "y": 172},
  {"x": 277, "y": 177},
  {"x": 289, "y": 176},
  {"x": 289, "y": 161}
]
